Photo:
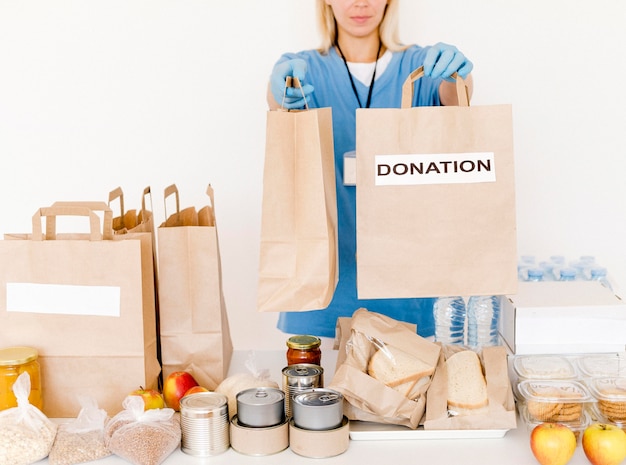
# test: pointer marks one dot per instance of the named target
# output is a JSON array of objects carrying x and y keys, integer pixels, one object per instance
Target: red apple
[
  {"x": 195, "y": 389},
  {"x": 175, "y": 386},
  {"x": 151, "y": 398},
  {"x": 552, "y": 443},
  {"x": 604, "y": 444}
]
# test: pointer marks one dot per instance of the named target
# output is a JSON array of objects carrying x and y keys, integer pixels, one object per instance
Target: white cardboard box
[{"x": 556, "y": 317}]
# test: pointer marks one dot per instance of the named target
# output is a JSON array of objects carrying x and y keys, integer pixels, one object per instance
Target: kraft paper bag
[
  {"x": 435, "y": 199},
  {"x": 298, "y": 267},
  {"x": 367, "y": 398},
  {"x": 500, "y": 413},
  {"x": 130, "y": 224},
  {"x": 194, "y": 329},
  {"x": 85, "y": 301}
]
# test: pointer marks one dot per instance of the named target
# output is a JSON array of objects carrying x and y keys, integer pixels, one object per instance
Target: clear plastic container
[
  {"x": 602, "y": 365},
  {"x": 610, "y": 396},
  {"x": 544, "y": 367},
  {"x": 577, "y": 426},
  {"x": 554, "y": 400}
]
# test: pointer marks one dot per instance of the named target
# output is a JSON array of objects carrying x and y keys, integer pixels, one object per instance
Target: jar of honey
[
  {"x": 13, "y": 362},
  {"x": 304, "y": 349}
]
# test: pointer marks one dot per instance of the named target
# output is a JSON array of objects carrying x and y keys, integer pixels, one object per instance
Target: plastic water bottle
[
  {"x": 548, "y": 271},
  {"x": 524, "y": 264},
  {"x": 450, "y": 315},
  {"x": 568, "y": 274},
  {"x": 483, "y": 315},
  {"x": 535, "y": 274},
  {"x": 598, "y": 273}
]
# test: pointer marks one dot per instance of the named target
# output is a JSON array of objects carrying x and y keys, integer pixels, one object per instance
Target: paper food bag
[
  {"x": 298, "y": 264},
  {"x": 377, "y": 342},
  {"x": 435, "y": 199},
  {"x": 499, "y": 414},
  {"x": 194, "y": 329},
  {"x": 85, "y": 301}
]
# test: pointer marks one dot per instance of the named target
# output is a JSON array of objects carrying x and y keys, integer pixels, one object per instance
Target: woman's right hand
[{"x": 290, "y": 97}]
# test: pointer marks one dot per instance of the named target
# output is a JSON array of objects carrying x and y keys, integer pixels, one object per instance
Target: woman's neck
[{"x": 360, "y": 49}]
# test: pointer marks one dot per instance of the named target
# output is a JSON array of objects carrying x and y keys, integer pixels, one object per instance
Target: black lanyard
[{"x": 369, "y": 93}]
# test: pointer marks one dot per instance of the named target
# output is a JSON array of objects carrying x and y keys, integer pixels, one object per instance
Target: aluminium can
[
  {"x": 205, "y": 424},
  {"x": 318, "y": 409},
  {"x": 261, "y": 407},
  {"x": 300, "y": 377}
]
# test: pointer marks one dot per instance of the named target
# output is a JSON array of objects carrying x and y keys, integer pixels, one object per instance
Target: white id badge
[{"x": 349, "y": 168}]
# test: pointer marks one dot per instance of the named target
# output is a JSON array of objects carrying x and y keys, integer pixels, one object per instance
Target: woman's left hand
[{"x": 443, "y": 60}]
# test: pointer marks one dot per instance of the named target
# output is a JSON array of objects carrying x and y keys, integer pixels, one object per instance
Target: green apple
[
  {"x": 604, "y": 444},
  {"x": 552, "y": 443}
]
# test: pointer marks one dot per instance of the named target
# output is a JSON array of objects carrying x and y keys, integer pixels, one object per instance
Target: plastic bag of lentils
[
  {"x": 143, "y": 437},
  {"x": 82, "y": 439}
]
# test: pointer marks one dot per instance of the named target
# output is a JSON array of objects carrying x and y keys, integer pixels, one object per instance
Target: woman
[{"x": 361, "y": 64}]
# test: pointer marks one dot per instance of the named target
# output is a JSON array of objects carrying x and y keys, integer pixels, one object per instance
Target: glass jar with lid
[
  {"x": 13, "y": 362},
  {"x": 304, "y": 349}
]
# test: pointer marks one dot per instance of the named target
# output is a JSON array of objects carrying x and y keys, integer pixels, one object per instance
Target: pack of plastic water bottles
[{"x": 559, "y": 268}]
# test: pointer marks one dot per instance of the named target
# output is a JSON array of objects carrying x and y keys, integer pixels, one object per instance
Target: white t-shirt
[{"x": 364, "y": 71}]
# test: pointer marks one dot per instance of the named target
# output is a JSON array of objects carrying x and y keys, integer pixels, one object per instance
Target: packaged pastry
[
  {"x": 554, "y": 400},
  {"x": 544, "y": 367},
  {"x": 610, "y": 395}
]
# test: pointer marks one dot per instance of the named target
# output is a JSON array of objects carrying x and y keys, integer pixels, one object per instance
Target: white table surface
[{"x": 512, "y": 449}]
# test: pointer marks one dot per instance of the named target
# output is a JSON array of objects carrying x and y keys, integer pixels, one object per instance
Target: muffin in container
[{"x": 554, "y": 400}]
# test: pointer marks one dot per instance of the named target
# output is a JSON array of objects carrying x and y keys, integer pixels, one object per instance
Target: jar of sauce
[
  {"x": 13, "y": 362},
  {"x": 304, "y": 349}
]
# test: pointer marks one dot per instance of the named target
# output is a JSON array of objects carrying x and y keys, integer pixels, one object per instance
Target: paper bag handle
[
  {"x": 292, "y": 81},
  {"x": 407, "y": 88},
  {"x": 171, "y": 190},
  {"x": 73, "y": 209}
]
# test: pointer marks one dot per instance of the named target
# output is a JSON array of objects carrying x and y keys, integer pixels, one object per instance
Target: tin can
[
  {"x": 205, "y": 424},
  {"x": 13, "y": 362},
  {"x": 298, "y": 378},
  {"x": 304, "y": 349},
  {"x": 261, "y": 407},
  {"x": 318, "y": 409}
]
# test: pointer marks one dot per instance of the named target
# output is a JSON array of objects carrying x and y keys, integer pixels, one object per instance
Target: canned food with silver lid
[
  {"x": 298, "y": 378},
  {"x": 261, "y": 407},
  {"x": 318, "y": 409},
  {"x": 205, "y": 424}
]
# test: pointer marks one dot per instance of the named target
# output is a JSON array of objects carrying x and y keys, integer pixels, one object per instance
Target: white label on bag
[
  {"x": 63, "y": 299},
  {"x": 434, "y": 168}
]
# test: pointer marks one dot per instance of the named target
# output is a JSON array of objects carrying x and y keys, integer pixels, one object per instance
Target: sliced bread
[
  {"x": 398, "y": 369},
  {"x": 467, "y": 388}
]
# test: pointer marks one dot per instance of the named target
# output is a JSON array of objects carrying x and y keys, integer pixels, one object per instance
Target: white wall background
[{"x": 96, "y": 94}]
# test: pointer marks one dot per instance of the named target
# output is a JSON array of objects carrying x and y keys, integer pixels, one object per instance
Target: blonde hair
[{"x": 388, "y": 29}]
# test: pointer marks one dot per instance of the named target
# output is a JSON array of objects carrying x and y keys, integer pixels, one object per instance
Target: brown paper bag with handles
[
  {"x": 194, "y": 329},
  {"x": 130, "y": 224},
  {"x": 85, "y": 301},
  {"x": 298, "y": 267},
  {"x": 435, "y": 199}
]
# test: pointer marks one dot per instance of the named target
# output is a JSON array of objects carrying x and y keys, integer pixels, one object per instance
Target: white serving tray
[{"x": 369, "y": 431}]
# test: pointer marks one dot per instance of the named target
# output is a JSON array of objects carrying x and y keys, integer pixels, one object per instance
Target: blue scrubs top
[{"x": 329, "y": 77}]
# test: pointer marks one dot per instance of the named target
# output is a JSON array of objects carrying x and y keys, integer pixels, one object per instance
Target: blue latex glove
[
  {"x": 293, "y": 97},
  {"x": 443, "y": 60}
]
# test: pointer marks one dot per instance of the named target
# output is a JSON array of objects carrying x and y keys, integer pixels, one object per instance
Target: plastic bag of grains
[
  {"x": 143, "y": 437},
  {"x": 82, "y": 439},
  {"x": 26, "y": 434}
]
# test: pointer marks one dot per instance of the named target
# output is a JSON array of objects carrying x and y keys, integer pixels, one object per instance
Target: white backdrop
[{"x": 96, "y": 94}]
